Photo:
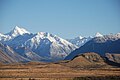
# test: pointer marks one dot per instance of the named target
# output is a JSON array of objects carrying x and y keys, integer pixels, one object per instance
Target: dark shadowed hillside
[
  {"x": 100, "y": 45},
  {"x": 7, "y": 55}
]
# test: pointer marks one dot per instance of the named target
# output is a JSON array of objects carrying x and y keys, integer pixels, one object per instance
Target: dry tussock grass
[{"x": 50, "y": 71}]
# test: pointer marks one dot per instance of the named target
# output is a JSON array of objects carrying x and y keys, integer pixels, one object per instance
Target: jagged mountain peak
[
  {"x": 17, "y": 31},
  {"x": 79, "y": 37},
  {"x": 43, "y": 34},
  {"x": 118, "y": 34},
  {"x": 50, "y": 37},
  {"x": 79, "y": 41},
  {"x": 4, "y": 37},
  {"x": 16, "y": 27},
  {"x": 98, "y": 34},
  {"x": 49, "y": 45},
  {"x": 1, "y": 34}
]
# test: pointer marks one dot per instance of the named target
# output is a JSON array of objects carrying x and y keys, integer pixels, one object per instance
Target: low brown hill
[
  {"x": 87, "y": 60},
  {"x": 113, "y": 57}
]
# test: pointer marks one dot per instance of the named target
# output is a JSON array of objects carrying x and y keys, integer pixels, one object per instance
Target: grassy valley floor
[{"x": 51, "y": 71}]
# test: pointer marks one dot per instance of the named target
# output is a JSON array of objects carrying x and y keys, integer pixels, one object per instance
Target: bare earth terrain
[{"x": 52, "y": 71}]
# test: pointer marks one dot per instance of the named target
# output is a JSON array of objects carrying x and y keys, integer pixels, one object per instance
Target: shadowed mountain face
[
  {"x": 100, "y": 45},
  {"x": 4, "y": 58},
  {"x": 7, "y": 55}
]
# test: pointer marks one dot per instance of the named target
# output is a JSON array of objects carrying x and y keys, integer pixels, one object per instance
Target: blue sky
[{"x": 65, "y": 18}]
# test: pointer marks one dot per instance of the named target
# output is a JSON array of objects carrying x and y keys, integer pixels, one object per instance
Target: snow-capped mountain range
[
  {"x": 14, "y": 33},
  {"x": 80, "y": 41},
  {"x": 42, "y": 46},
  {"x": 100, "y": 45},
  {"x": 17, "y": 31}
]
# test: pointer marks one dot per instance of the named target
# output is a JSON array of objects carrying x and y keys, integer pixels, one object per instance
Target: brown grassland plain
[{"x": 52, "y": 71}]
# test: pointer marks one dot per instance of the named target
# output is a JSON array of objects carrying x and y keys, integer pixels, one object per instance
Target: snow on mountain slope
[
  {"x": 79, "y": 41},
  {"x": 42, "y": 45},
  {"x": 101, "y": 45},
  {"x": 17, "y": 31},
  {"x": 19, "y": 40},
  {"x": 50, "y": 46},
  {"x": 117, "y": 35},
  {"x": 13, "y": 33},
  {"x": 4, "y": 37},
  {"x": 98, "y": 35}
]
